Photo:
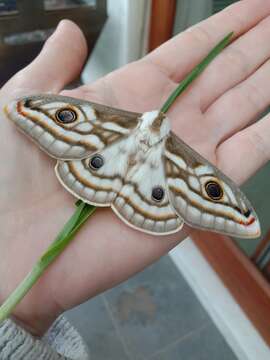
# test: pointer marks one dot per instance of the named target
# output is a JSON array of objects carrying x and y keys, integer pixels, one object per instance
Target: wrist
[
  {"x": 34, "y": 321},
  {"x": 33, "y": 317},
  {"x": 28, "y": 326}
]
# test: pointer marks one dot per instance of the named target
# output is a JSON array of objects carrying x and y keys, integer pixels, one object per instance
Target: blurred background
[{"x": 173, "y": 309}]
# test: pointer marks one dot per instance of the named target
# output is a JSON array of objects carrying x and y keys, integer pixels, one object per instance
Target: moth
[{"x": 135, "y": 164}]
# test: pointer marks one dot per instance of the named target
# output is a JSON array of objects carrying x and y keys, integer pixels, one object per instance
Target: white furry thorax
[{"x": 153, "y": 127}]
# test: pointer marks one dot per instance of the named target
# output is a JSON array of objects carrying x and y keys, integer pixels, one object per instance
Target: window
[
  {"x": 67, "y": 4},
  {"x": 8, "y": 7},
  {"x": 221, "y": 4}
]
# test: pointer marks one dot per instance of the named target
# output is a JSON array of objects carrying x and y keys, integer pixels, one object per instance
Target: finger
[
  {"x": 58, "y": 63},
  {"x": 180, "y": 54},
  {"x": 246, "y": 152},
  {"x": 240, "y": 106},
  {"x": 236, "y": 63}
]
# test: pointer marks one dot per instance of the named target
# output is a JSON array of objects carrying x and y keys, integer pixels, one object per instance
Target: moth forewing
[
  {"x": 67, "y": 128},
  {"x": 203, "y": 196}
]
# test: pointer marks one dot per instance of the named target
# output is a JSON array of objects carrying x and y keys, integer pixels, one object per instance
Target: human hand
[{"x": 220, "y": 105}]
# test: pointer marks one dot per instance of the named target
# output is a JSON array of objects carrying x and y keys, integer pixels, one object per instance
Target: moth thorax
[{"x": 154, "y": 127}]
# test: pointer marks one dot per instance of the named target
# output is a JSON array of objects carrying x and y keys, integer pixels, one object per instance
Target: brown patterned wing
[
  {"x": 203, "y": 196},
  {"x": 97, "y": 179},
  {"x": 143, "y": 201},
  {"x": 125, "y": 186},
  {"x": 68, "y": 128}
]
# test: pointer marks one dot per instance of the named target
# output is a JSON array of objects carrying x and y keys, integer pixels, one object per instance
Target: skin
[{"x": 216, "y": 116}]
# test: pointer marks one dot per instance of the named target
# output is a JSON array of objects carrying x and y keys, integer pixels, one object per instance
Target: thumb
[{"x": 59, "y": 62}]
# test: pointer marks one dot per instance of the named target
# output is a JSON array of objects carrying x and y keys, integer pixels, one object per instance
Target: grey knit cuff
[
  {"x": 17, "y": 344},
  {"x": 66, "y": 340}
]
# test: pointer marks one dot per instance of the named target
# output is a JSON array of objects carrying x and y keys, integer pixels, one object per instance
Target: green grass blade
[
  {"x": 81, "y": 214},
  {"x": 196, "y": 72},
  {"x": 60, "y": 243},
  {"x": 68, "y": 226}
]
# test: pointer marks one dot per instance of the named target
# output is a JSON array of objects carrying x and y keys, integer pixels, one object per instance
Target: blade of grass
[
  {"x": 81, "y": 214},
  {"x": 196, "y": 72},
  {"x": 84, "y": 211}
]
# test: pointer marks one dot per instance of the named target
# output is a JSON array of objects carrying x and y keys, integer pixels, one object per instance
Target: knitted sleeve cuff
[{"x": 61, "y": 342}]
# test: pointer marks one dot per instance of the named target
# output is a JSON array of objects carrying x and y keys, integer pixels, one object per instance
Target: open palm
[{"x": 215, "y": 116}]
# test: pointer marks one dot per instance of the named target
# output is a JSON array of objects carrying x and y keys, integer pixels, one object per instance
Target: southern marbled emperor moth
[{"x": 132, "y": 162}]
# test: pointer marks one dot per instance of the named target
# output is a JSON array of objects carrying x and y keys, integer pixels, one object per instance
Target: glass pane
[
  {"x": 219, "y": 5},
  {"x": 8, "y": 7},
  {"x": 67, "y": 4},
  {"x": 28, "y": 37}
]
